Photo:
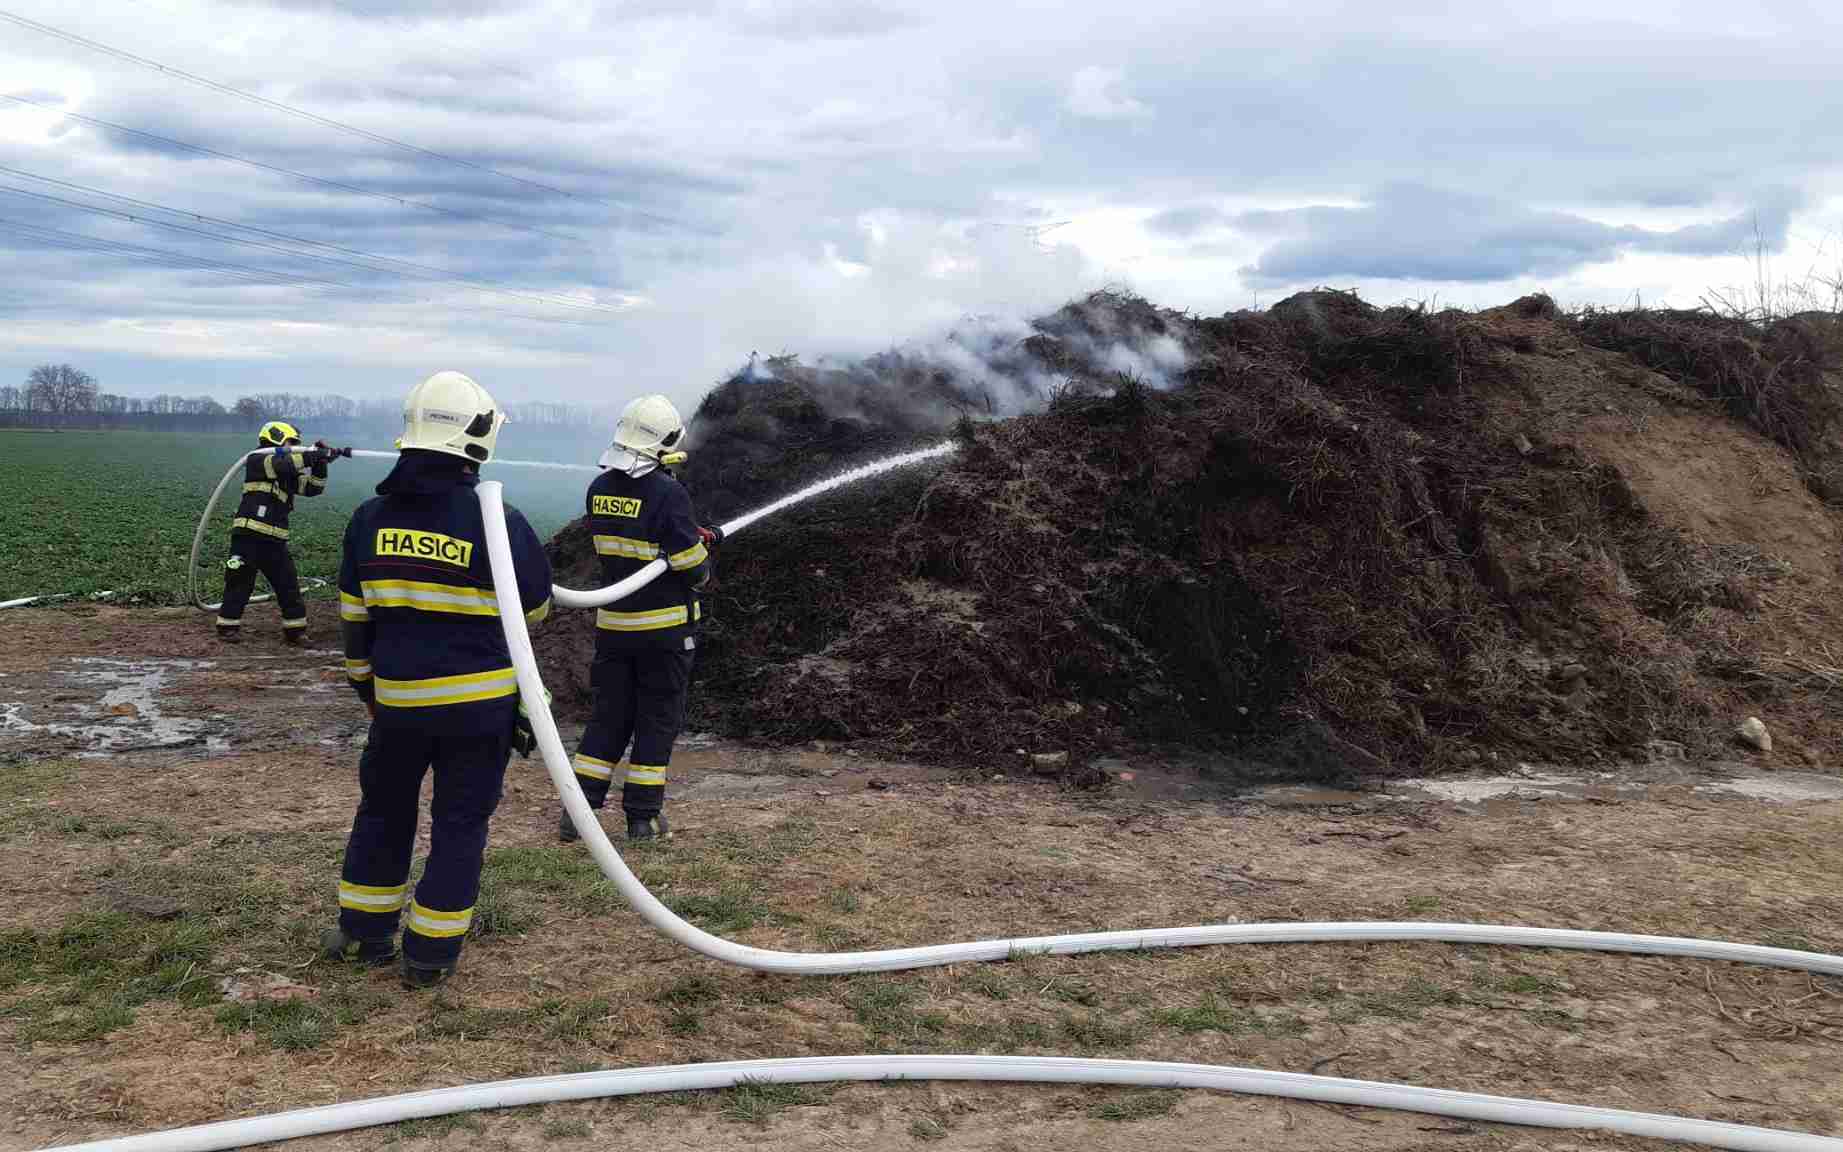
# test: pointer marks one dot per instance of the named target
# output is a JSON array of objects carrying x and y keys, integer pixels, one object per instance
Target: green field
[{"x": 82, "y": 512}]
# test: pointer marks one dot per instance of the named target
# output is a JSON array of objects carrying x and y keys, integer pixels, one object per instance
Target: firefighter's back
[{"x": 424, "y": 584}]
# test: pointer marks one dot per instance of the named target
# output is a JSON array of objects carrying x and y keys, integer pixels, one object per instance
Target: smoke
[
  {"x": 778, "y": 422},
  {"x": 992, "y": 366}
]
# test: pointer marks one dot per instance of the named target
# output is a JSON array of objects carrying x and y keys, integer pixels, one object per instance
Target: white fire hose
[{"x": 1031, "y": 1069}]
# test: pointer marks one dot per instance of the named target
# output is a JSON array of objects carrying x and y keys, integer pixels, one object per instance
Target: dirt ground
[{"x": 171, "y": 825}]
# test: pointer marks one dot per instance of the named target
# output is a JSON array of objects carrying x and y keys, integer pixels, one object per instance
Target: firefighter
[
  {"x": 645, "y": 644},
  {"x": 274, "y": 476},
  {"x": 425, "y": 652}
]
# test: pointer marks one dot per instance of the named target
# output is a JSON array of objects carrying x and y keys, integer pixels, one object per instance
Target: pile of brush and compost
[{"x": 1318, "y": 541}]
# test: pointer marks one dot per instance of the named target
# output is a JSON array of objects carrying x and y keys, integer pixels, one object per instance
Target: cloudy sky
[{"x": 642, "y": 193}]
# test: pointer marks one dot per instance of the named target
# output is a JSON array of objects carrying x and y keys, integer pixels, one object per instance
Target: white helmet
[
  {"x": 450, "y": 413},
  {"x": 647, "y": 432}
]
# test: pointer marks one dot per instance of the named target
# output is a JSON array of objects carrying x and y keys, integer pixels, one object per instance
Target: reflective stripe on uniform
[
  {"x": 540, "y": 613},
  {"x": 266, "y": 489},
  {"x": 593, "y": 767},
  {"x": 312, "y": 481},
  {"x": 627, "y": 547},
  {"x": 427, "y": 597},
  {"x": 258, "y": 526},
  {"x": 689, "y": 558},
  {"x": 371, "y": 897},
  {"x": 357, "y": 670},
  {"x": 293, "y": 625},
  {"x": 426, "y": 921},
  {"x": 446, "y": 689},
  {"x": 226, "y": 623},
  {"x": 646, "y": 774},
  {"x": 268, "y": 463},
  {"x": 641, "y": 621},
  {"x": 352, "y": 608}
]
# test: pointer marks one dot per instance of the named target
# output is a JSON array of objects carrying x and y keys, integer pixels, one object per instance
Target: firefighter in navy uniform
[
  {"x": 273, "y": 478},
  {"x": 645, "y": 644},
  {"x": 425, "y": 651}
]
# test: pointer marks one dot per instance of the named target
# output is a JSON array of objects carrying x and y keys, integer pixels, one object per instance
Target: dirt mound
[{"x": 1343, "y": 540}]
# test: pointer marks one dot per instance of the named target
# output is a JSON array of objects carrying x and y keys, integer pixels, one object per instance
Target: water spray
[{"x": 602, "y": 597}]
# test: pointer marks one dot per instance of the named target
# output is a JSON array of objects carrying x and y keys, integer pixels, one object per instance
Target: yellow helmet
[{"x": 278, "y": 432}]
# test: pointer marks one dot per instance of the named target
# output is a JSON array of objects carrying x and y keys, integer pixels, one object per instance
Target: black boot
[
  {"x": 419, "y": 976},
  {"x": 230, "y": 635},
  {"x": 566, "y": 828},
  {"x": 648, "y": 827},
  {"x": 294, "y": 637},
  {"x": 336, "y": 945}
]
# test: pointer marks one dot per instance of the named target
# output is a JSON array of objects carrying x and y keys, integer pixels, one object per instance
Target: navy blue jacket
[
  {"x": 420, "y": 616},
  {"x": 272, "y": 478},
  {"x": 634, "y": 522}
]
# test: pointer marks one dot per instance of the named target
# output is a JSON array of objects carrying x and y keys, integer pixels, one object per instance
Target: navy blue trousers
[
  {"x": 639, "y": 705},
  {"x": 467, "y": 745},
  {"x": 251, "y": 554}
]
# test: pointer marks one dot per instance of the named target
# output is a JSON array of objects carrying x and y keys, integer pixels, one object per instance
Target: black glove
[
  {"x": 711, "y": 535},
  {"x": 524, "y": 740}
]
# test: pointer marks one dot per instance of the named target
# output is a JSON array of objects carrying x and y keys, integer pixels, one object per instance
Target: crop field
[{"x": 85, "y": 512}]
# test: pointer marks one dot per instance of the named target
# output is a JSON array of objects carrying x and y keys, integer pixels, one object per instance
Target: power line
[
  {"x": 170, "y": 258},
  {"x": 426, "y": 271},
  {"x": 291, "y": 110},
  {"x": 57, "y": 238},
  {"x": 201, "y": 150}
]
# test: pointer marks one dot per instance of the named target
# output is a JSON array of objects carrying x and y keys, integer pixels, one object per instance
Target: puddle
[
  {"x": 731, "y": 784},
  {"x": 1775, "y": 787},
  {"x": 126, "y": 716},
  {"x": 1476, "y": 790},
  {"x": 1783, "y": 787},
  {"x": 1306, "y": 796}
]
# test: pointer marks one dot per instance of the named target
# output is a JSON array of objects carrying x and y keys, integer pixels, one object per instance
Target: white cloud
[
  {"x": 746, "y": 176},
  {"x": 1100, "y": 94}
]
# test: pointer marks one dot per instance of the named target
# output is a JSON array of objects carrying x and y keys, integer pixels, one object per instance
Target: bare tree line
[{"x": 61, "y": 395}]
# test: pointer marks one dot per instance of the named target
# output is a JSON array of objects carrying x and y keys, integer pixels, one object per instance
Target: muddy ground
[{"x": 172, "y": 813}]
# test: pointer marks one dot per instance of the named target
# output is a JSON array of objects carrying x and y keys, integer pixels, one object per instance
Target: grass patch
[
  {"x": 686, "y": 1001},
  {"x": 1137, "y": 1106},
  {"x": 1523, "y": 984},
  {"x": 762, "y": 848},
  {"x": 292, "y": 1025},
  {"x": 1421, "y": 905},
  {"x": 886, "y": 1009},
  {"x": 554, "y": 1020},
  {"x": 1211, "y": 1014},
  {"x": 754, "y": 1102},
  {"x": 986, "y": 980},
  {"x": 84, "y": 979},
  {"x": 563, "y": 871},
  {"x": 1408, "y": 1002},
  {"x": 730, "y": 909},
  {"x": 499, "y": 911},
  {"x": 435, "y": 1127},
  {"x": 573, "y": 1128},
  {"x": 1092, "y": 1031},
  {"x": 24, "y": 786}
]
